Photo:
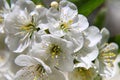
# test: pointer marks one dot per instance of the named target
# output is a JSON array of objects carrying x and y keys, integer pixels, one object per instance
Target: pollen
[
  {"x": 107, "y": 57},
  {"x": 65, "y": 26},
  {"x": 83, "y": 73},
  {"x": 28, "y": 27},
  {"x": 54, "y": 50},
  {"x": 40, "y": 71}
]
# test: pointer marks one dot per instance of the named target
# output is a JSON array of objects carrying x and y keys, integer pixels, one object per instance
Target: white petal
[
  {"x": 53, "y": 15},
  {"x": 6, "y": 5},
  {"x": 65, "y": 63},
  {"x": 111, "y": 47},
  {"x": 24, "y": 60},
  {"x": 105, "y": 35},
  {"x": 28, "y": 4},
  {"x": 68, "y": 10},
  {"x": 93, "y": 35},
  {"x": 38, "y": 51},
  {"x": 80, "y": 23},
  {"x": 26, "y": 73},
  {"x": 87, "y": 54},
  {"x": 76, "y": 38},
  {"x": 55, "y": 75},
  {"x": 16, "y": 44}
]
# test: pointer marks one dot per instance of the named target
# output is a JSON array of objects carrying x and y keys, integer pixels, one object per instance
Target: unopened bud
[{"x": 54, "y": 4}]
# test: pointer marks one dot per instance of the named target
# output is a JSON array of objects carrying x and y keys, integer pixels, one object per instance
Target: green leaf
[
  {"x": 100, "y": 18},
  {"x": 86, "y": 7},
  {"x": 38, "y": 2}
]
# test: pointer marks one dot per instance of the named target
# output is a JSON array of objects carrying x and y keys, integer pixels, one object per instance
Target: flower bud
[{"x": 54, "y": 4}]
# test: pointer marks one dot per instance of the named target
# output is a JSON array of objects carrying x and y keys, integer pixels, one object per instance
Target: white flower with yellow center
[
  {"x": 55, "y": 51},
  {"x": 65, "y": 22},
  {"x": 107, "y": 55},
  {"x": 21, "y": 27},
  {"x": 65, "y": 19},
  {"x": 35, "y": 69}
]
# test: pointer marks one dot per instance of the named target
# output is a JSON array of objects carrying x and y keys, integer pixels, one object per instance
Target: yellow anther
[
  {"x": 28, "y": 27},
  {"x": 65, "y": 26},
  {"x": 70, "y": 21},
  {"x": 54, "y": 50}
]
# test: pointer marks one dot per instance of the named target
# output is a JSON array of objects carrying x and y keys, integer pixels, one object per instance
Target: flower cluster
[{"x": 56, "y": 42}]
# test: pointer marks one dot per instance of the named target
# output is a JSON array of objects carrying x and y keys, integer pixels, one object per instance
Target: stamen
[
  {"x": 107, "y": 56},
  {"x": 65, "y": 26},
  {"x": 40, "y": 71},
  {"x": 54, "y": 50}
]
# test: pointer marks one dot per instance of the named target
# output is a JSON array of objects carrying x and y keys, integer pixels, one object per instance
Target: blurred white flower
[
  {"x": 55, "y": 51},
  {"x": 107, "y": 56},
  {"x": 35, "y": 69},
  {"x": 5, "y": 9},
  {"x": 5, "y": 66}
]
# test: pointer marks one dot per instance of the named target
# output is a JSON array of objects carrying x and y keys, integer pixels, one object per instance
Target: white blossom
[
  {"x": 107, "y": 55},
  {"x": 35, "y": 69},
  {"x": 22, "y": 27},
  {"x": 54, "y": 51}
]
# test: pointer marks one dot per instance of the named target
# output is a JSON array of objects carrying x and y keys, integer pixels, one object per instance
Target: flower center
[
  {"x": 65, "y": 26},
  {"x": 54, "y": 50},
  {"x": 83, "y": 74},
  {"x": 107, "y": 56},
  {"x": 29, "y": 28}
]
